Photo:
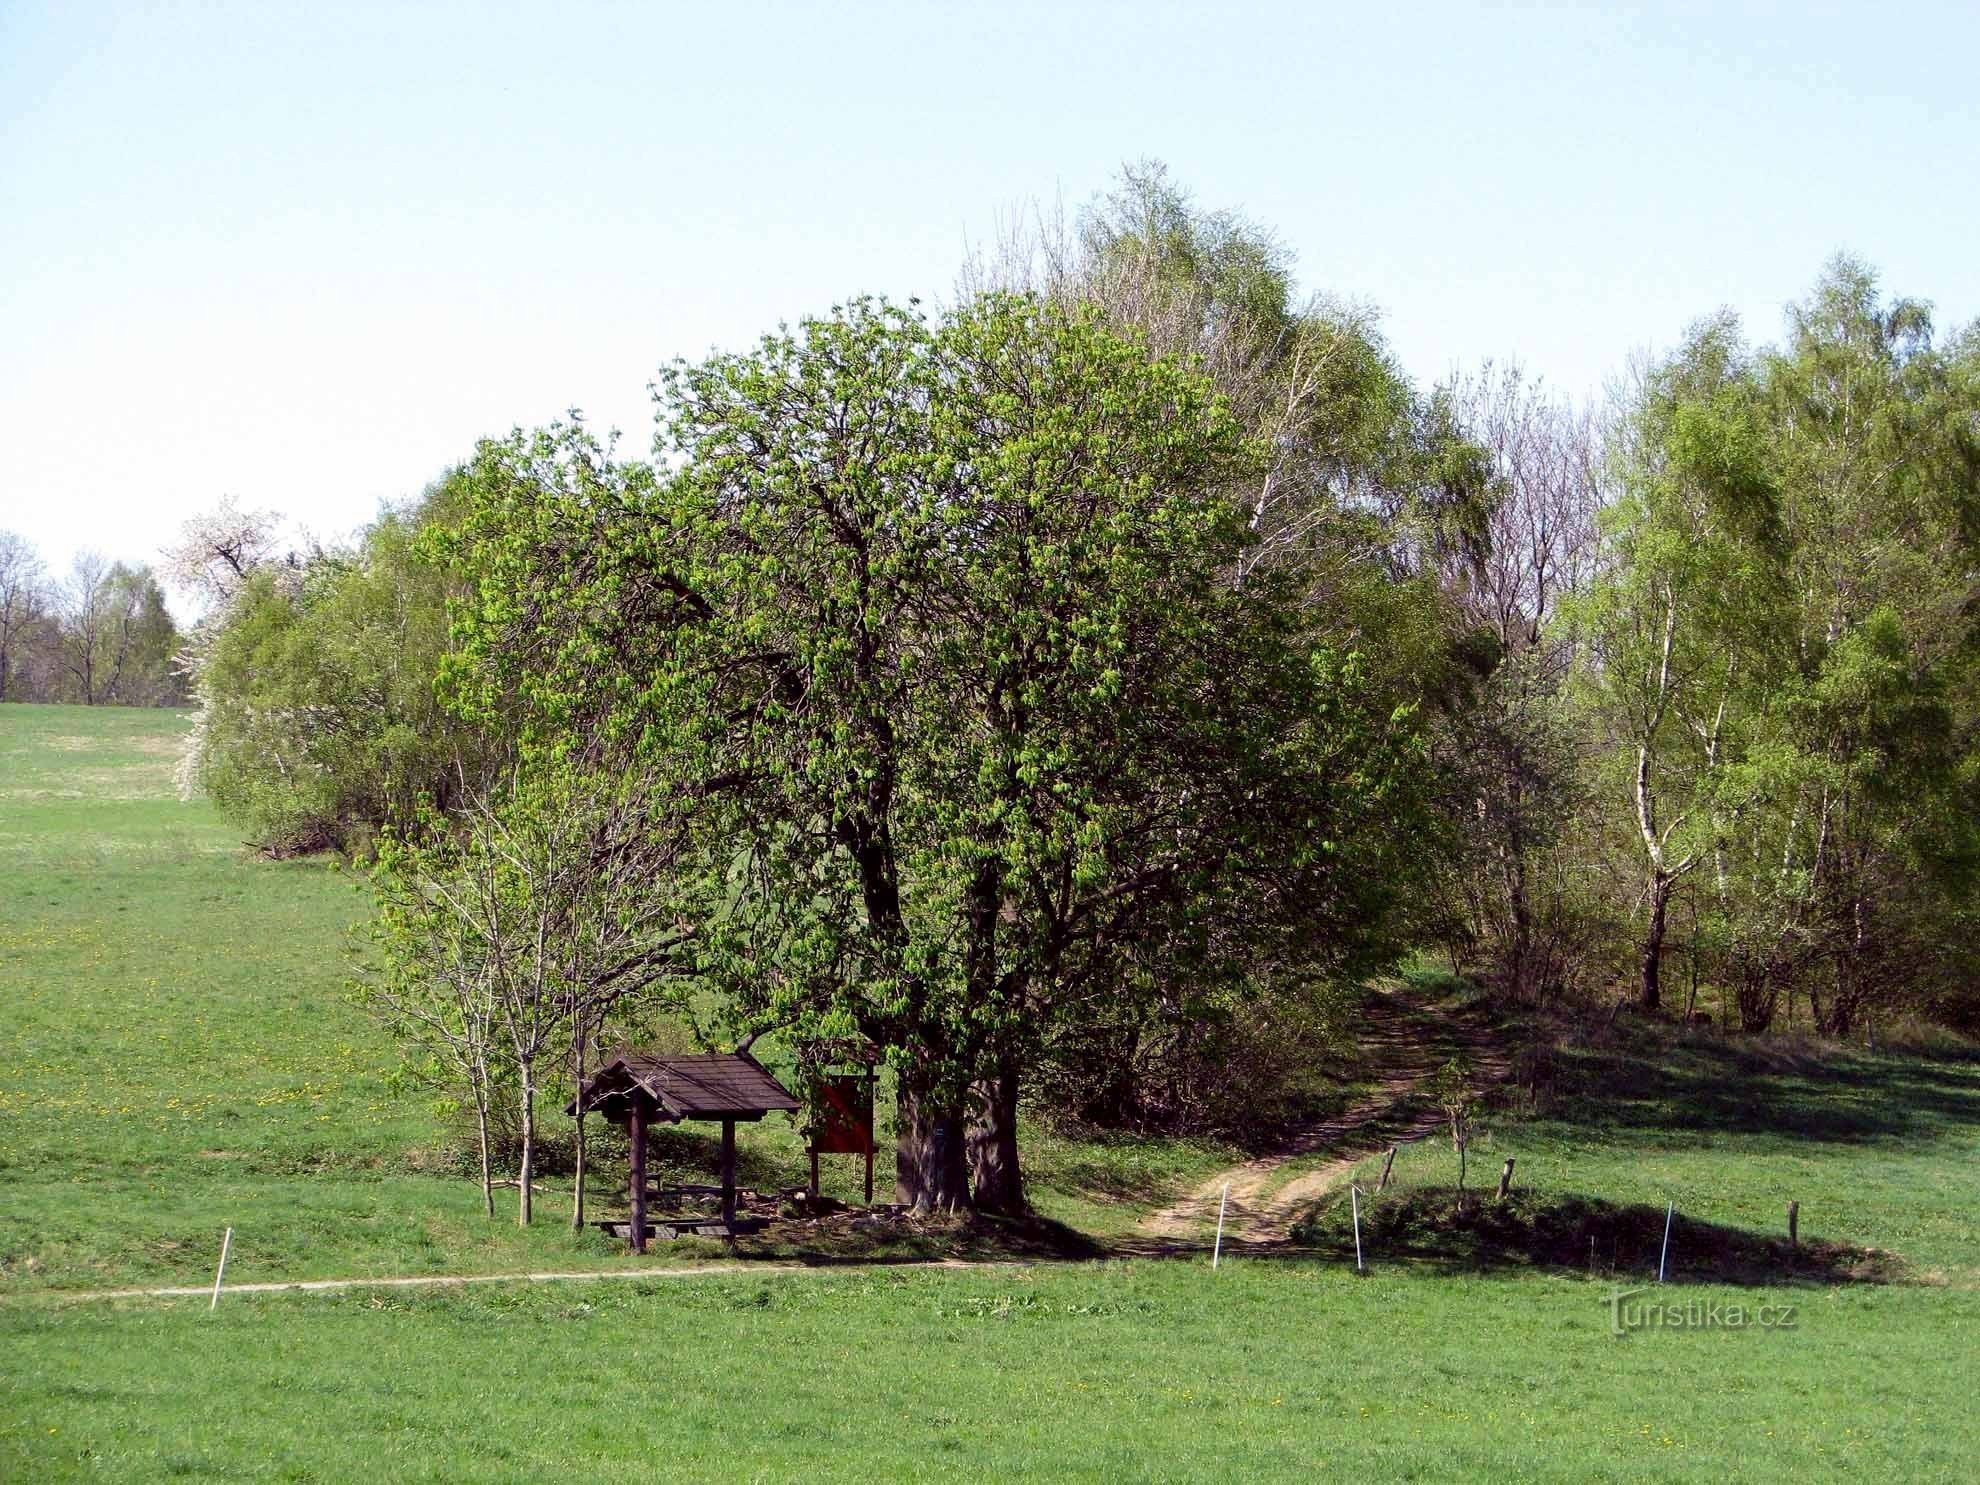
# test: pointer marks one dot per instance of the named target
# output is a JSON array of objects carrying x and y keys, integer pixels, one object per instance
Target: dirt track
[{"x": 1408, "y": 1051}]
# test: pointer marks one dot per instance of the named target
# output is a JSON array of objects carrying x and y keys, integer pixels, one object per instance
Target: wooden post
[
  {"x": 1794, "y": 1224},
  {"x": 869, "y": 1172},
  {"x": 728, "y": 1170},
  {"x": 1387, "y": 1166},
  {"x": 636, "y": 1129},
  {"x": 814, "y": 1177},
  {"x": 1505, "y": 1179}
]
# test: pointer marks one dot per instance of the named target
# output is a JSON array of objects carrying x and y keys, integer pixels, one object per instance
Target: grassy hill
[{"x": 176, "y": 1057}]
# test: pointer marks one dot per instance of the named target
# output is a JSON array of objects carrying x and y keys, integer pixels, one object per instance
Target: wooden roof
[{"x": 699, "y": 1085}]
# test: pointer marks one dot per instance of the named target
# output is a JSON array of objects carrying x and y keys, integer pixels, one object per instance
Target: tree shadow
[
  {"x": 1425, "y": 1227},
  {"x": 1701, "y": 1083}
]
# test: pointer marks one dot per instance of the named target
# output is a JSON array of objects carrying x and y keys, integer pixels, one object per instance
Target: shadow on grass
[
  {"x": 1425, "y": 1227},
  {"x": 1652, "y": 1078},
  {"x": 863, "y": 1235},
  {"x": 978, "y": 1238}
]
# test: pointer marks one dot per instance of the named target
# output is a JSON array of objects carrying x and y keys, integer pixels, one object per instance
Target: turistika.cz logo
[{"x": 1633, "y": 1309}]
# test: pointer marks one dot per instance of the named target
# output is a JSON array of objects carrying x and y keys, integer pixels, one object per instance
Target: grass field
[{"x": 175, "y": 1057}]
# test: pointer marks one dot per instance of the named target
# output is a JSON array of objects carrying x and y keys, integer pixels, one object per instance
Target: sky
[{"x": 306, "y": 256}]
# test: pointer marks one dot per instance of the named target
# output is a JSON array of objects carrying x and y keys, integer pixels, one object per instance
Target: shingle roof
[{"x": 700, "y": 1085}]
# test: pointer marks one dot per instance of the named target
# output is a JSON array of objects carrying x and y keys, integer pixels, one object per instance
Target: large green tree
[
  {"x": 1367, "y": 499},
  {"x": 928, "y": 638}
]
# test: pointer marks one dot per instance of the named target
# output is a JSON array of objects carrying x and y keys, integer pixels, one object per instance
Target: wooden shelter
[{"x": 639, "y": 1089}]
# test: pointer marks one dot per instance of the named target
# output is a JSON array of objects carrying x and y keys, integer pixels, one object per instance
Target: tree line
[
  {"x": 1069, "y": 690},
  {"x": 100, "y": 635}
]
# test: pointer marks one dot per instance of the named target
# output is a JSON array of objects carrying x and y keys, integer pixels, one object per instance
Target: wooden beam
[
  {"x": 728, "y": 1170},
  {"x": 637, "y": 1130}
]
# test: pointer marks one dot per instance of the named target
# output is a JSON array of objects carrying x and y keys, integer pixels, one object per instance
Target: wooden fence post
[
  {"x": 1794, "y": 1224},
  {"x": 1505, "y": 1179},
  {"x": 636, "y": 1128},
  {"x": 728, "y": 1170},
  {"x": 1387, "y": 1166}
]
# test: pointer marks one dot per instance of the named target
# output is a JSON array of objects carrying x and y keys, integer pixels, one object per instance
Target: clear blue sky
[{"x": 307, "y": 255}]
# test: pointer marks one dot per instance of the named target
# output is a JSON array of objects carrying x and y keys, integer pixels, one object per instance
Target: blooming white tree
[
  {"x": 215, "y": 555},
  {"x": 216, "y": 552}
]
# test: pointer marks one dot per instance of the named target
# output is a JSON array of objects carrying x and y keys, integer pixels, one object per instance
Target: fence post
[
  {"x": 1354, "y": 1197},
  {"x": 1217, "y": 1253},
  {"x": 220, "y": 1273}
]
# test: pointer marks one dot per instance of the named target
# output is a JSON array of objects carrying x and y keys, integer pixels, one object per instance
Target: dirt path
[{"x": 1409, "y": 1044}]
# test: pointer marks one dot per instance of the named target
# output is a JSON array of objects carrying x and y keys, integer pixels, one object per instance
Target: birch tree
[
  {"x": 510, "y": 933},
  {"x": 1680, "y": 634}
]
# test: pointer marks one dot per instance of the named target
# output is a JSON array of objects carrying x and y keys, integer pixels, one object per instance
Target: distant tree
[
  {"x": 23, "y": 602},
  {"x": 1515, "y": 750},
  {"x": 117, "y": 637},
  {"x": 219, "y": 551},
  {"x": 319, "y": 719},
  {"x": 83, "y": 611}
]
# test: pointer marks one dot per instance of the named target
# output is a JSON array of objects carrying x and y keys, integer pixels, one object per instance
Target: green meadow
[{"x": 176, "y": 1057}]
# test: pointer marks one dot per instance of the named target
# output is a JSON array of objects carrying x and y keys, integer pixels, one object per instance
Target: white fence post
[
  {"x": 1354, "y": 1198},
  {"x": 221, "y": 1272}
]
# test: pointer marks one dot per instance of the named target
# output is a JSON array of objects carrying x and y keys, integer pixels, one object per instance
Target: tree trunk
[
  {"x": 1512, "y": 855},
  {"x": 481, "y": 1139},
  {"x": 1757, "y": 1002},
  {"x": 997, "y": 1180},
  {"x": 577, "y": 1091},
  {"x": 1521, "y": 968},
  {"x": 931, "y": 1168},
  {"x": 524, "y": 1206},
  {"x": 1653, "y": 943},
  {"x": 1850, "y": 979}
]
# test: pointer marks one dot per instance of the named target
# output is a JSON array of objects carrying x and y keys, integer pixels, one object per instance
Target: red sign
[{"x": 842, "y": 1114}]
